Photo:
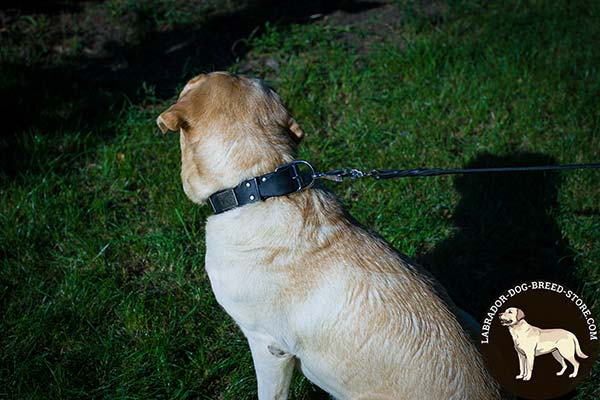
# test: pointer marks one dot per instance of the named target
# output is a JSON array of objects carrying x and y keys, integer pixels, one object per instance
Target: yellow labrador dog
[
  {"x": 531, "y": 341},
  {"x": 304, "y": 283}
]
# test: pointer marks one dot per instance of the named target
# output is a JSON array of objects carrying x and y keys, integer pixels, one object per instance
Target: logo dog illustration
[{"x": 531, "y": 341}]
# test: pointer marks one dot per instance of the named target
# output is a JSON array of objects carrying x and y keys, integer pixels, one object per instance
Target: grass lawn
[{"x": 103, "y": 293}]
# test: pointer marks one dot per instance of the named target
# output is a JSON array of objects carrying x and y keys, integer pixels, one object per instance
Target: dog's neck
[
  {"x": 279, "y": 223},
  {"x": 520, "y": 326}
]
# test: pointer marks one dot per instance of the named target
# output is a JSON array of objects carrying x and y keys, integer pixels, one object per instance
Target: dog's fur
[
  {"x": 302, "y": 281},
  {"x": 531, "y": 341}
]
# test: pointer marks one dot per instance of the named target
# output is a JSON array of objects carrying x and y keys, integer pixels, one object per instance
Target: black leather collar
[{"x": 286, "y": 179}]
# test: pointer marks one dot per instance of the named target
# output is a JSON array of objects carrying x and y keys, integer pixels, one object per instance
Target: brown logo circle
[{"x": 539, "y": 340}]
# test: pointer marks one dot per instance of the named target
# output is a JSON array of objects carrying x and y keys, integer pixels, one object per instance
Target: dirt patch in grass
[
  {"x": 369, "y": 27},
  {"x": 67, "y": 66}
]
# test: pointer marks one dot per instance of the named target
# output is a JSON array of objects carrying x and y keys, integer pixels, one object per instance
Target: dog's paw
[
  {"x": 573, "y": 375},
  {"x": 526, "y": 378}
]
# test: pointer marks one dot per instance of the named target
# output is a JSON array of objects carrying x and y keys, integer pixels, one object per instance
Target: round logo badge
[{"x": 539, "y": 340}]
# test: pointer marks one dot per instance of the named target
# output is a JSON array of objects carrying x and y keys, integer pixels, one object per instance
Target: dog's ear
[
  {"x": 520, "y": 314},
  {"x": 295, "y": 129},
  {"x": 173, "y": 119}
]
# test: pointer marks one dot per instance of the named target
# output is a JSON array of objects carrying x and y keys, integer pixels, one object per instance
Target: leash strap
[
  {"x": 339, "y": 174},
  {"x": 300, "y": 174}
]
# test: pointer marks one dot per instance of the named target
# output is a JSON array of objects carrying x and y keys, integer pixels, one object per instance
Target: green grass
[{"x": 102, "y": 288}]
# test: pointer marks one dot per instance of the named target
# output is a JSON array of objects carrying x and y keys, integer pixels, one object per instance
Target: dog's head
[
  {"x": 511, "y": 316},
  {"x": 231, "y": 129}
]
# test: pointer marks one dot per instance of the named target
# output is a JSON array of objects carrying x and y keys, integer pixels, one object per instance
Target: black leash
[
  {"x": 300, "y": 174},
  {"x": 338, "y": 175}
]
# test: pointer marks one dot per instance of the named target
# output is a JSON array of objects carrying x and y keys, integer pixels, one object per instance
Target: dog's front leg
[
  {"x": 273, "y": 366},
  {"x": 529, "y": 359},
  {"x": 521, "y": 365}
]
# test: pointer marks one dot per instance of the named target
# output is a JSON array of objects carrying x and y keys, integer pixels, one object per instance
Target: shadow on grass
[
  {"x": 506, "y": 234},
  {"x": 88, "y": 92}
]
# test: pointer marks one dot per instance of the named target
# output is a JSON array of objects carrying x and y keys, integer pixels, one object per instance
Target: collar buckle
[{"x": 304, "y": 179}]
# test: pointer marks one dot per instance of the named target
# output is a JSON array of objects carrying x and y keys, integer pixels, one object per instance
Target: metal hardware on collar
[{"x": 294, "y": 165}]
